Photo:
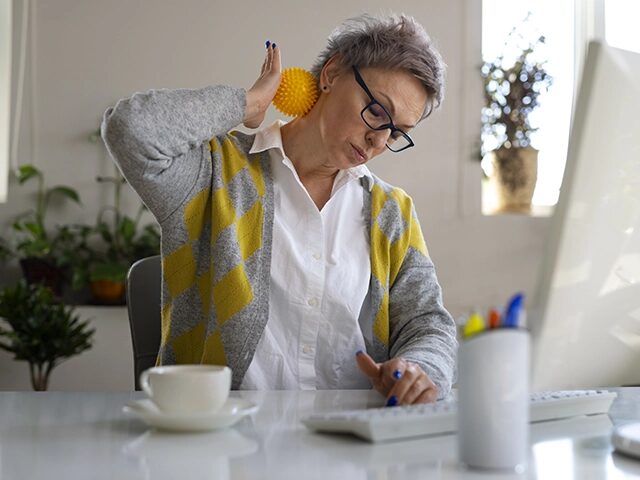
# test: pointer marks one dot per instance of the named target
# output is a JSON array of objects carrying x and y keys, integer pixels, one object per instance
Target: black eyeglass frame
[{"x": 386, "y": 126}]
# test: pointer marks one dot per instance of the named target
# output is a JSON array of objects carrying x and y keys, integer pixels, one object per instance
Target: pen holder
[{"x": 493, "y": 399}]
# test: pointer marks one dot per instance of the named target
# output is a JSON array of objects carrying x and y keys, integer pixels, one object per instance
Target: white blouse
[{"x": 320, "y": 273}]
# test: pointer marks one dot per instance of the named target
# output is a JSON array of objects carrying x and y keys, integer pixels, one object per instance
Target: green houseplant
[
  {"x": 123, "y": 242},
  {"x": 40, "y": 252},
  {"x": 5, "y": 250},
  {"x": 511, "y": 93},
  {"x": 42, "y": 331}
]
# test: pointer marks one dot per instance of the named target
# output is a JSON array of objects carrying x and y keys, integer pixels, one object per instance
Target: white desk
[{"x": 61, "y": 435}]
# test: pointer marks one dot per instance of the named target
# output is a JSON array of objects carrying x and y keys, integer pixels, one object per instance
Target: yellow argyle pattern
[
  {"x": 232, "y": 291},
  {"x": 226, "y": 290},
  {"x": 387, "y": 255}
]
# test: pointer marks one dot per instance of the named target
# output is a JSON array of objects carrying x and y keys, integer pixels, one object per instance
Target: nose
[{"x": 378, "y": 138}]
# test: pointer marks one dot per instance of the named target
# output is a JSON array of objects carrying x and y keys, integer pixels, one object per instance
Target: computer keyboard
[{"x": 396, "y": 423}]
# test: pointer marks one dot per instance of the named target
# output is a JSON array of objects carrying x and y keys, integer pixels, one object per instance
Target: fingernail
[
  {"x": 397, "y": 374},
  {"x": 393, "y": 401},
  {"x": 268, "y": 43},
  {"x": 273, "y": 46},
  {"x": 359, "y": 352}
]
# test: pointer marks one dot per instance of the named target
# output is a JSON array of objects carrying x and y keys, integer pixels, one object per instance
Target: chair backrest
[{"x": 144, "y": 304}]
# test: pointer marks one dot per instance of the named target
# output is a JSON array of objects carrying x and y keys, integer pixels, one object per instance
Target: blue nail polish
[
  {"x": 393, "y": 401},
  {"x": 359, "y": 352},
  {"x": 273, "y": 46},
  {"x": 397, "y": 374},
  {"x": 268, "y": 43}
]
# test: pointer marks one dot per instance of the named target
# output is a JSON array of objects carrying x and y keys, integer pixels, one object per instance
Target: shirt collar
[{"x": 270, "y": 138}]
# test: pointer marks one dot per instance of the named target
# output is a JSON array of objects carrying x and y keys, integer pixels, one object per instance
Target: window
[
  {"x": 567, "y": 27},
  {"x": 554, "y": 20},
  {"x": 621, "y": 24}
]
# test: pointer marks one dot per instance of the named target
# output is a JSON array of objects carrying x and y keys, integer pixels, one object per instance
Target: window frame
[{"x": 6, "y": 33}]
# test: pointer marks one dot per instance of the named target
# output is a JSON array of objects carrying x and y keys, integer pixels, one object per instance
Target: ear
[{"x": 331, "y": 70}]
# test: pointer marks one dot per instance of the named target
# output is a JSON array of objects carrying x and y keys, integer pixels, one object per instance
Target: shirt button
[
  {"x": 307, "y": 349},
  {"x": 313, "y": 302},
  {"x": 317, "y": 256}
]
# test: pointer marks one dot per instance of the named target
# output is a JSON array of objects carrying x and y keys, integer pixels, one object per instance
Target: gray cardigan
[{"x": 214, "y": 203}]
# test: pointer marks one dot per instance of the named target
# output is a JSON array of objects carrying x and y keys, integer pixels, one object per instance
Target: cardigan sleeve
[
  {"x": 160, "y": 139},
  {"x": 421, "y": 329}
]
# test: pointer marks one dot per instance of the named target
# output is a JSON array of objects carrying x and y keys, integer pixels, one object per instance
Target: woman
[{"x": 282, "y": 254}]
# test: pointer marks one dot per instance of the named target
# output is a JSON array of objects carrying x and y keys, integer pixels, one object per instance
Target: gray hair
[{"x": 392, "y": 42}]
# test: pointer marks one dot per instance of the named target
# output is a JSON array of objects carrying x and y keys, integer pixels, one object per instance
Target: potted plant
[
  {"x": 74, "y": 252},
  {"x": 42, "y": 331},
  {"x": 511, "y": 92},
  {"x": 5, "y": 250},
  {"x": 122, "y": 244},
  {"x": 122, "y": 241},
  {"x": 36, "y": 248}
]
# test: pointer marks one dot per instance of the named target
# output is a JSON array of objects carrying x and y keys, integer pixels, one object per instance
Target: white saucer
[
  {"x": 231, "y": 412},
  {"x": 626, "y": 439}
]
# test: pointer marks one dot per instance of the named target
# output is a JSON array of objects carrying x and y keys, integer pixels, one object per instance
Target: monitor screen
[{"x": 587, "y": 329}]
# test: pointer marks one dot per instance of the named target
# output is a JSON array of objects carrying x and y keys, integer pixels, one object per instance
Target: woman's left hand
[{"x": 400, "y": 381}]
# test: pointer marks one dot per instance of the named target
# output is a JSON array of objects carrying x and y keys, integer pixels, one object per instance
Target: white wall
[{"x": 88, "y": 54}]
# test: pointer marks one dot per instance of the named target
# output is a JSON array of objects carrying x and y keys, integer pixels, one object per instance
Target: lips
[{"x": 360, "y": 155}]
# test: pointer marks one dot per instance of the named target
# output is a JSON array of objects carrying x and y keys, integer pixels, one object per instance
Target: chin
[{"x": 350, "y": 163}]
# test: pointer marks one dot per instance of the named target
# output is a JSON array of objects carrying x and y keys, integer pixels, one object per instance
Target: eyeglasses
[{"x": 377, "y": 118}]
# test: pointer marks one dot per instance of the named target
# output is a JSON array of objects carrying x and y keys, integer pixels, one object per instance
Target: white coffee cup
[{"x": 187, "y": 388}]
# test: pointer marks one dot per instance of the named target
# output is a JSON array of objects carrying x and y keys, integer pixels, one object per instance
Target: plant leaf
[
  {"x": 68, "y": 192},
  {"x": 127, "y": 228},
  {"x": 25, "y": 172},
  {"x": 116, "y": 272},
  {"x": 34, "y": 228}
]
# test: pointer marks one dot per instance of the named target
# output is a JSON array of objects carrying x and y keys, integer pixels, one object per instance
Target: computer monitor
[{"x": 587, "y": 329}]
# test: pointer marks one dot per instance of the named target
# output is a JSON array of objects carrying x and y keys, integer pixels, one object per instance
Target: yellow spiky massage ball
[{"x": 297, "y": 93}]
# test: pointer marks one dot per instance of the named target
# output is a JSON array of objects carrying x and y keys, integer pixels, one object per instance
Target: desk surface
[{"x": 60, "y": 435}]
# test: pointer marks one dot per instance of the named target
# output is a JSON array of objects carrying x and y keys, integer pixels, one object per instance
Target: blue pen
[{"x": 514, "y": 309}]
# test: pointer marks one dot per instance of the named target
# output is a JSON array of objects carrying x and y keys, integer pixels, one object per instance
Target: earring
[{"x": 325, "y": 88}]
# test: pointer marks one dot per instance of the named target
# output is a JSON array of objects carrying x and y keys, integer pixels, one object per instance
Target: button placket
[{"x": 310, "y": 323}]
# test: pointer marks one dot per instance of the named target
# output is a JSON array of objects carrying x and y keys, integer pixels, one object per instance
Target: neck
[{"x": 303, "y": 145}]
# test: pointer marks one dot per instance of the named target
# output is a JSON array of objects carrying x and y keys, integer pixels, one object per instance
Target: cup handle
[{"x": 144, "y": 383}]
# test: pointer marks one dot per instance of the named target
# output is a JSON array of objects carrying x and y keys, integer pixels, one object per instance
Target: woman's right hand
[{"x": 260, "y": 95}]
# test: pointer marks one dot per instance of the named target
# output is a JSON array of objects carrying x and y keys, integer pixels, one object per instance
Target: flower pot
[
  {"x": 107, "y": 292},
  {"x": 45, "y": 272},
  {"x": 515, "y": 172}
]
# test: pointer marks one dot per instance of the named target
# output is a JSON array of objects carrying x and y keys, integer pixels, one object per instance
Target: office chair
[{"x": 144, "y": 307}]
